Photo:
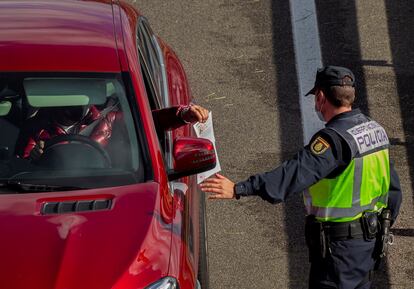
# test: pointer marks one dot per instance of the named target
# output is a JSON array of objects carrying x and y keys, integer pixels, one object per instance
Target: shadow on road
[
  {"x": 291, "y": 138},
  {"x": 340, "y": 42},
  {"x": 403, "y": 232},
  {"x": 400, "y": 15}
]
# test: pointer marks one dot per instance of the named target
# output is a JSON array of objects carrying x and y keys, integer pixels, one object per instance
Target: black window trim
[
  {"x": 143, "y": 24},
  {"x": 164, "y": 99}
]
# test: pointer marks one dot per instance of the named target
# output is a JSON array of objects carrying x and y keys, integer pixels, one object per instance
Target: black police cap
[{"x": 333, "y": 76}]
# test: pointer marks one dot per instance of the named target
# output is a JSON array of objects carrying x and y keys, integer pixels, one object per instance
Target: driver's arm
[{"x": 176, "y": 116}]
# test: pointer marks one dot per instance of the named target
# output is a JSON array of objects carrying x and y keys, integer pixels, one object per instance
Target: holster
[
  {"x": 370, "y": 225},
  {"x": 316, "y": 239},
  {"x": 385, "y": 237}
]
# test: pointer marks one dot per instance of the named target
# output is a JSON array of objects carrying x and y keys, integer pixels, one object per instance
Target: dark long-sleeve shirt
[
  {"x": 168, "y": 118},
  {"x": 307, "y": 168}
]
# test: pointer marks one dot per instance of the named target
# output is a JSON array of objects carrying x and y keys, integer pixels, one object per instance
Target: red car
[{"x": 95, "y": 191}]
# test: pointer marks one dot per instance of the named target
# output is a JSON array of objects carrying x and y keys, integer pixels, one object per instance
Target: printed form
[{"x": 205, "y": 130}]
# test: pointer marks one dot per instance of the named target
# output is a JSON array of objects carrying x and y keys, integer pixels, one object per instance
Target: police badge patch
[{"x": 319, "y": 146}]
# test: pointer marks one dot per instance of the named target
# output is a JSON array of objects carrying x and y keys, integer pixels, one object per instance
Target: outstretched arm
[
  {"x": 176, "y": 116},
  {"x": 305, "y": 169}
]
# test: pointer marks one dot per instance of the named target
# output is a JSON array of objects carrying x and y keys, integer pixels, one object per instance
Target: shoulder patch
[{"x": 319, "y": 146}]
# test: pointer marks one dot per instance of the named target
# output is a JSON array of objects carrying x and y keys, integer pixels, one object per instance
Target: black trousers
[{"x": 349, "y": 266}]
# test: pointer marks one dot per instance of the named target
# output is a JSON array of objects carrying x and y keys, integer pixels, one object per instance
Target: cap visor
[{"x": 312, "y": 91}]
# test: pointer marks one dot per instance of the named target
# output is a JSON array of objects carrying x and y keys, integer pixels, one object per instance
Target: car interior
[{"x": 85, "y": 124}]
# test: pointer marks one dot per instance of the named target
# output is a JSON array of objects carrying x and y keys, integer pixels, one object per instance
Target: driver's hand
[
  {"x": 195, "y": 113},
  {"x": 37, "y": 151}
]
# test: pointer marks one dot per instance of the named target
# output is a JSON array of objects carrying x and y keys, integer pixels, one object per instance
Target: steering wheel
[{"x": 58, "y": 140}]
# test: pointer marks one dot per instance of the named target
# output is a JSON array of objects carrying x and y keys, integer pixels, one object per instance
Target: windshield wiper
[{"x": 26, "y": 187}]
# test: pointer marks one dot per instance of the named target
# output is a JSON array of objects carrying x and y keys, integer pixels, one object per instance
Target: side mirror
[{"x": 192, "y": 156}]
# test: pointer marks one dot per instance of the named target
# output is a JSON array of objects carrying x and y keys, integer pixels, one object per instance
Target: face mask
[{"x": 319, "y": 113}]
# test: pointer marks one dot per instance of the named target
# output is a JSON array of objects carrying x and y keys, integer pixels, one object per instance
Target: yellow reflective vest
[{"x": 364, "y": 184}]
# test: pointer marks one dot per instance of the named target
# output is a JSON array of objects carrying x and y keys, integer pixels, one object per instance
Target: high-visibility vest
[{"x": 364, "y": 184}]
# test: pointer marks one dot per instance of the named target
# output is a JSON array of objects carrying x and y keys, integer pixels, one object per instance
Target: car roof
[{"x": 57, "y": 35}]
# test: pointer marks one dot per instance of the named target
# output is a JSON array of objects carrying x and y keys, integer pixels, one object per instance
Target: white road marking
[{"x": 308, "y": 59}]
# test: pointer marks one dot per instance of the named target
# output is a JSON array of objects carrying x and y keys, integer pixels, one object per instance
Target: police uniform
[{"x": 344, "y": 171}]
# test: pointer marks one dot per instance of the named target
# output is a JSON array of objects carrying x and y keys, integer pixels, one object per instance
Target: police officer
[{"x": 347, "y": 180}]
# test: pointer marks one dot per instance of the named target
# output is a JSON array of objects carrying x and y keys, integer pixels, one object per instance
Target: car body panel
[
  {"x": 119, "y": 38},
  {"x": 94, "y": 249},
  {"x": 57, "y": 36},
  {"x": 152, "y": 229}
]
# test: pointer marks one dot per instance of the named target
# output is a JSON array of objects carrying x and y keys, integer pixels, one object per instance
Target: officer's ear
[
  {"x": 318, "y": 96},
  {"x": 321, "y": 98}
]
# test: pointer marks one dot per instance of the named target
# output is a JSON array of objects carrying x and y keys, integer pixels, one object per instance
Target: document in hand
[{"x": 205, "y": 130}]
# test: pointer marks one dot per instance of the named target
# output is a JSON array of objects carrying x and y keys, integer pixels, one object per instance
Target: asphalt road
[{"x": 240, "y": 61}]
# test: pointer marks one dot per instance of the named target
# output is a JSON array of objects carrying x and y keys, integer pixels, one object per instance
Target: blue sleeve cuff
[{"x": 242, "y": 189}]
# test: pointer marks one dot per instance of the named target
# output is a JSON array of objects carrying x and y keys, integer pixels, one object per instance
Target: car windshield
[{"x": 63, "y": 132}]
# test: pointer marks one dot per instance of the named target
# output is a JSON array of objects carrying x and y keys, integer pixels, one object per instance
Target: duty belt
[
  {"x": 319, "y": 235},
  {"x": 343, "y": 230},
  {"x": 337, "y": 230}
]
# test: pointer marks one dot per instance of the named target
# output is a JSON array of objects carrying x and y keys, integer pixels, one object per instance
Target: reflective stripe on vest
[{"x": 362, "y": 186}]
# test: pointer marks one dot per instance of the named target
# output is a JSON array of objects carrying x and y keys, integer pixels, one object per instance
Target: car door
[{"x": 168, "y": 87}]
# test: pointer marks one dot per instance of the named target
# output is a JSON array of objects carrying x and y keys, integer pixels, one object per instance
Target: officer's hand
[
  {"x": 37, "y": 150},
  {"x": 195, "y": 113},
  {"x": 220, "y": 187}
]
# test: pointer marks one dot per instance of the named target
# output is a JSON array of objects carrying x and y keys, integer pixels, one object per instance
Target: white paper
[{"x": 206, "y": 130}]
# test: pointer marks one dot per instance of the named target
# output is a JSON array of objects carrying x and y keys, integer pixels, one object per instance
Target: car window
[
  {"x": 154, "y": 103},
  {"x": 67, "y": 130},
  {"x": 150, "y": 58}
]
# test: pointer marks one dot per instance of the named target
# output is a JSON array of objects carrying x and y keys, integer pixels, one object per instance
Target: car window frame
[
  {"x": 160, "y": 95},
  {"x": 148, "y": 50}
]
